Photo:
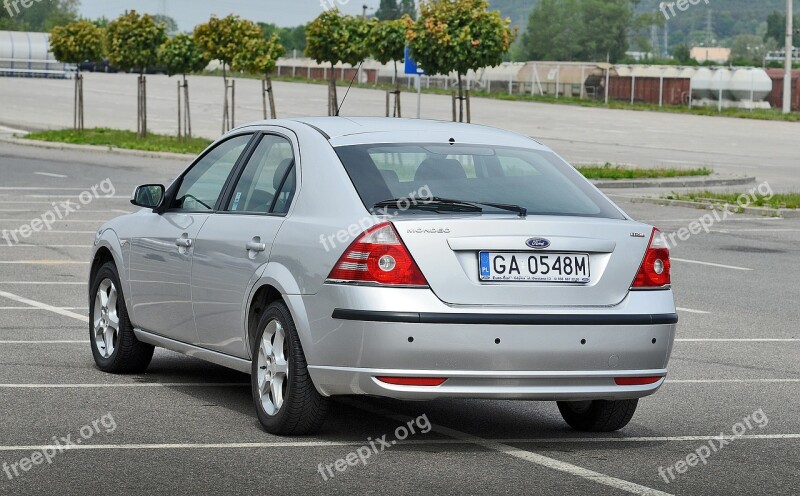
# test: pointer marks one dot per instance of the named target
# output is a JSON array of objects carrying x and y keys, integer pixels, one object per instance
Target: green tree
[
  {"x": 333, "y": 38},
  {"x": 291, "y": 38},
  {"x": 222, "y": 39},
  {"x": 38, "y": 15},
  {"x": 409, "y": 8},
  {"x": 133, "y": 41},
  {"x": 750, "y": 49},
  {"x": 170, "y": 25},
  {"x": 260, "y": 56},
  {"x": 682, "y": 54},
  {"x": 387, "y": 43},
  {"x": 181, "y": 55},
  {"x": 605, "y": 28},
  {"x": 776, "y": 26},
  {"x": 388, "y": 10},
  {"x": 459, "y": 35},
  {"x": 75, "y": 43},
  {"x": 553, "y": 31}
]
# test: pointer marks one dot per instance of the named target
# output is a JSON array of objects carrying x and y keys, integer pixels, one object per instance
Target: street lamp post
[{"x": 787, "y": 78}]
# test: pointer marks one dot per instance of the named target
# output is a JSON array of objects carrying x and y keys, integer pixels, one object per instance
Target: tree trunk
[
  {"x": 225, "y": 109},
  {"x": 187, "y": 116},
  {"x": 272, "y": 112},
  {"x": 460, "y": 98},
  {"x": 77, "y": 121},
  {"x": 397, "y": 112},
  {"x": 333, "y": 99},
  {"x": 180, "y": 121},
  {"x": 141, "y": 127}
]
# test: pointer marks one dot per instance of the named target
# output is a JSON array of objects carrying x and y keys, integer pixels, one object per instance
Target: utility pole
[
  {"x": 787, "y": 78},
  {"x": 709, "y": 29}
]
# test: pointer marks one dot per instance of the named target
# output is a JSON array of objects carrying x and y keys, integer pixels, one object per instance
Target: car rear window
[{"x": 535, "y": 179}]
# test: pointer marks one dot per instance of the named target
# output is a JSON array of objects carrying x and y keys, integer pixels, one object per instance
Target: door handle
[
  {"x": 256, "y": 246},
  {"x": 183, "y": 242}
]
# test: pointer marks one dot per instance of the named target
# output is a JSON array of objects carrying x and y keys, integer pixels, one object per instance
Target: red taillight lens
[
  {"x": 654, "y": 271},
  {"x": 378, "y": 256},
  {"x": 636, "y": 381},
  {"x": 413, "y": 381}
]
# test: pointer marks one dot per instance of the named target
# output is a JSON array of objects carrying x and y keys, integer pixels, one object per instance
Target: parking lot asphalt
[{"x": 187, "y": 427}]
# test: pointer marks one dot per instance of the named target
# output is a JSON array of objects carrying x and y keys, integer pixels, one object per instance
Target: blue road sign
[{"x": 411, "y": 65}]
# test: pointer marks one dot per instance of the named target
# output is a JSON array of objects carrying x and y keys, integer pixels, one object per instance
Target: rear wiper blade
[
  {"x": 434, "y": 204},
  {"x": 522, "y": 211}
]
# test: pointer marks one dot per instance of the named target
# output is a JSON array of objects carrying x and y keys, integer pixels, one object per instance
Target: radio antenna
[{"x": 339, "y": 108}]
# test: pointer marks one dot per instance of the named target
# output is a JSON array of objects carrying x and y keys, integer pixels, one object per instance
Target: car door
[
  {"x": 162, "y": 248},
  {"x": 236, "y": 241}
]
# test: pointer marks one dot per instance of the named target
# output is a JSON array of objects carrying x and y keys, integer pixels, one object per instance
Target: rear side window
[{"x": 534, "y": 179}]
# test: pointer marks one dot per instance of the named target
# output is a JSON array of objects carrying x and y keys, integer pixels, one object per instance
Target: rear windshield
[{"x": 536, "y": 180}]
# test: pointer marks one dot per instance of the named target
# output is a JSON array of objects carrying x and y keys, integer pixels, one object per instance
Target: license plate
[{"x": 534, "y": 267}]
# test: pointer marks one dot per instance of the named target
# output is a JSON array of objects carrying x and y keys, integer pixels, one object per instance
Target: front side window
[
  {"x": 202, "y": 186},
  {"x": 268, "y": 181},
  {"x": 536, "y": 180}
]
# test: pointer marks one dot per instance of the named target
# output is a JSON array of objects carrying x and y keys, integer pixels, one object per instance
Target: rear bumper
[
  {"x": 351, "y": 335},
  {"x": 528, "y": 385}
]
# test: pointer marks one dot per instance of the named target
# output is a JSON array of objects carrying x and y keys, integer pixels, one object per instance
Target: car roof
[{"x": 351, "y": 130}]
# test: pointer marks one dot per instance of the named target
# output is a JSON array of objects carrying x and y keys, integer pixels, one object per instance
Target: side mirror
[{"x": 148, "y": 196}]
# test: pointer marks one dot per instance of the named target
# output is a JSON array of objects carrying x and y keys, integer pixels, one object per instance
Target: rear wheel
[
  {"x": 597, "y": 415},
  {"x": 114, "y": 345},
  {"x": 287, "y": 403}
]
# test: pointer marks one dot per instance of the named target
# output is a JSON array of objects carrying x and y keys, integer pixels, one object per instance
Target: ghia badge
[{"x": 538, "y": 243}]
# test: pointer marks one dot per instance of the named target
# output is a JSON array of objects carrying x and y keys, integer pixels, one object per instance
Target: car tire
[
  {"x": 286, "y": 401},
  {"x": 114, "y": 346},
  {"x": 598, "y": 415}
]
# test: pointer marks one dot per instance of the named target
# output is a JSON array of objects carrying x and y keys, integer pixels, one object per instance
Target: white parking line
[
  {"x": 50, "y": 174},
  {"x": 541, "y": 460},
  {"x": 36, "y": 308},
  {"x": 730, "y": 381},
  {"x": 709, "y": 264},
  {"x": 414, "y": 442},
  {"x": 46, "y": 283},
  {"x": 54, "y": 231},
  {"x": 62, "y": 221},
  {"x": 62, "y": 341},
  {"x": 44, "y": 246},
  {"x": 125, "y": 385},
  {"x": 43, "y": 262},
  {"x": 689, "y": 310},
  {"x": 44, "y": 306},
  {"x": 738, "y": 340}
]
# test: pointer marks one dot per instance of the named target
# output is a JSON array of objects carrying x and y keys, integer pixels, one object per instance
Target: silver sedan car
[{"x": 397, "y": 258}]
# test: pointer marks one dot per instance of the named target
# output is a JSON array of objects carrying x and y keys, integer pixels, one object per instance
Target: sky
[{"x": 189, "y": 13}]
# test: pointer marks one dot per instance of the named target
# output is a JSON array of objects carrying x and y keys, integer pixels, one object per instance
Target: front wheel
[
  {"x": 287, "y": 403},
  {"x": 114, "y": 345},
  {"x": 597, "y": 415}
]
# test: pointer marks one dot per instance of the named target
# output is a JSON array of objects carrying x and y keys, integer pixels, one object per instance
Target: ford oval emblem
[{"x": 538, "y": 243}]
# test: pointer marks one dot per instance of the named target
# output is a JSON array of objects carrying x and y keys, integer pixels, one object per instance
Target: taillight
[
  {"x": 378, "y": 257},
  {"x": 637, "y": 381},
  {"x": 654, "y": 271}
]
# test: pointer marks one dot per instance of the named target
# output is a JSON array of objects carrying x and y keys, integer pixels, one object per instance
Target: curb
[
  {"x": 674, "y": 183},
  {"x": 94, "y": 148},
  {"x": 760, "y": 211}
]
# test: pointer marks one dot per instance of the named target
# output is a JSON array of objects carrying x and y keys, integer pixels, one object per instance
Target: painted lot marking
[
  {"x": 738, "y": 340},
  {"x": 50, "y": 174},
  {"x": 61, "y": 341},
  {"x": 126, "y": 385},
  {"x": 47, "y": 283},
  {"x": 36, "y": 308},
  {"x": 731, "y": 381},
  {"x": 689, "y": 310},
  {"x": 529, "y": 456},
  {"x": 62, "y": 221},
  {"x": 44, "y": 262},
  {"x": 44, "y": 306},
  {"x": 44, "y": 246},
  {"x": 417, "y": 442},
  {"x": 732, "y": 267}
]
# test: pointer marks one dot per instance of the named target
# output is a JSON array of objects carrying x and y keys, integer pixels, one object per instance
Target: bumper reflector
[
  {"x": 413, "y": 381},
  {"x": 636, "y": 381}
]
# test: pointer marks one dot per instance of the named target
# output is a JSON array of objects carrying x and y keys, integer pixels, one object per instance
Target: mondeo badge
[{"x": 538, "y": 243}]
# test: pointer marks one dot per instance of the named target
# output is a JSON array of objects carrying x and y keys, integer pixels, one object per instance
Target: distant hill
[{"x": 729, "y": 18}]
